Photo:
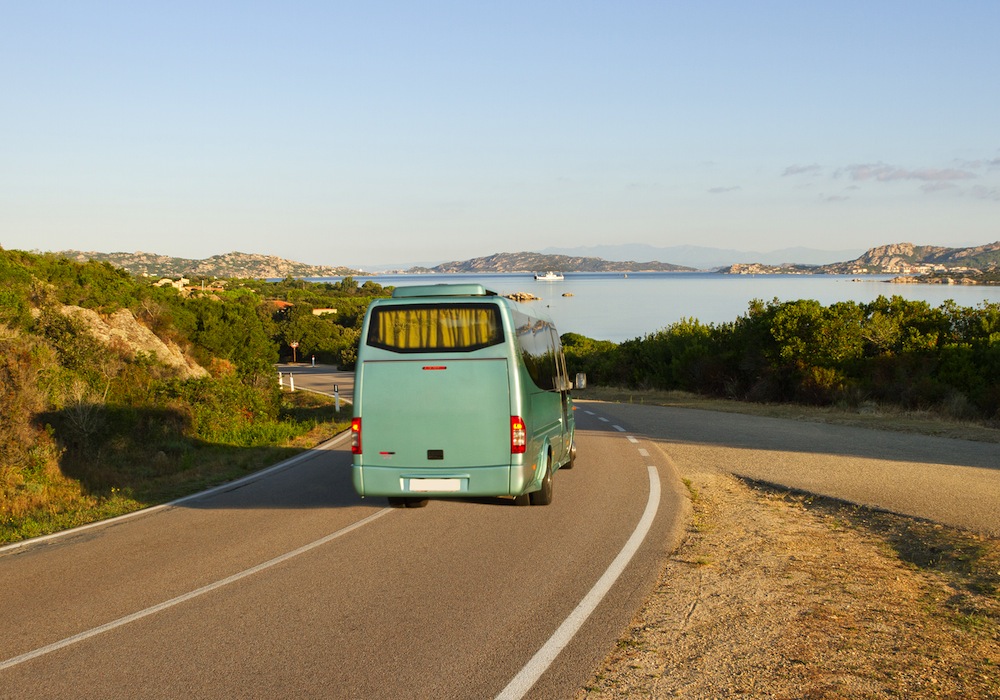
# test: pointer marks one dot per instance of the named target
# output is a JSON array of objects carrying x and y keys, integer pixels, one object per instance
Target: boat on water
[{"x": 549, "y": 276}]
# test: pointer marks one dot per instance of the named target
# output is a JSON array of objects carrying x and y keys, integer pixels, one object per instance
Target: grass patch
[{"x": 153, "y": 459}]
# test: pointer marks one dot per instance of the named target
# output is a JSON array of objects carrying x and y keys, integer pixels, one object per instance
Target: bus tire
[
  {"x": 543, "y": 496},
  {"x": 572, "y": 457}
]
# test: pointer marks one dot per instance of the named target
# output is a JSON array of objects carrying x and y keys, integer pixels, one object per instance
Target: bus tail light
[
  {"x": 518, "y": 436},
  {"x": 356, "y": 436}
]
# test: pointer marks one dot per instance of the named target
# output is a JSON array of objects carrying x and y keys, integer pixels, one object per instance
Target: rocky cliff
[{"x": 123, "y": 330}]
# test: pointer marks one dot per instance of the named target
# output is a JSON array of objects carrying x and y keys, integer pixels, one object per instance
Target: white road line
[
  {"x": 187, "y": 596},
  {"x": 229, "y": 485},
  {"x": 618, "y": 428},
  {"x": 602, "y": 418},
  {"x": 643, "y": 452},
  {"x": 544, "y": 657},
  {"x": 589, "y": 413},
  {"x": 631, "y": 439}
]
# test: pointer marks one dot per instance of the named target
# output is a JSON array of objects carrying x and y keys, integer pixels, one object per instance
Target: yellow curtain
[{"x": 437, "y": 327}]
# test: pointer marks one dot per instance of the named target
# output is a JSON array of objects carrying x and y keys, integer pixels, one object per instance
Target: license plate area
[{"x": 437, "y": 484}]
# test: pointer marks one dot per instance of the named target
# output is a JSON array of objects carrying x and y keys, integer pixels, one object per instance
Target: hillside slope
[
  {"x": 533, "y": 262},
  {"x": 230, "y": 265}
]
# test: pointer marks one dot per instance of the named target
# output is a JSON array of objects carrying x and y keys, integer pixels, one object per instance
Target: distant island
[
  {"x": 930, "y": 264},
  {"x": 913, "y": 263},
  {"x": 510, "y": 263}
]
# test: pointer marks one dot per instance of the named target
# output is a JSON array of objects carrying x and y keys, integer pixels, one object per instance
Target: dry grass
[{"x": 780, "y": 595}]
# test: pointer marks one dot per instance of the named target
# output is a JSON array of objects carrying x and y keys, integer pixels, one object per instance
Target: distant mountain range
[
  {"x": 897, "y": 258},
  {"x": 230, "y": 265},
  {"x": 702, "y": 258},
  {"x": 534, "y": 262}
]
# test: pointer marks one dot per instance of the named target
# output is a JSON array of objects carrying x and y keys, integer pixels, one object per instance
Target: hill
[
  {"x": 533, "y": 262},
  {"x": 898, "y": 257},
  {"x": 974, "y": 265},
  {"x": 705, "y": 258},
  {"x": 230, "y": 265},
  {"x": 116, "y": 393}
]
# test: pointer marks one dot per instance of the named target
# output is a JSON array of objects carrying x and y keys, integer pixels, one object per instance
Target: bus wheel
[
  {"x": 543, "y": 496},
  {"x": 572, "y": 457}
]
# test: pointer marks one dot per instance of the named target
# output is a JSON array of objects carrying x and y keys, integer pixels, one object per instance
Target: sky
[{"x": 384, "y": 132}]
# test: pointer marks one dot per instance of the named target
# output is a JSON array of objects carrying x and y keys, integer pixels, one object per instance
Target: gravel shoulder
[{"x": 774, "y": 594}]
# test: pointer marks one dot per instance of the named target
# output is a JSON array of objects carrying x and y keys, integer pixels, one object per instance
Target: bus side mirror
[{"x": 581, "y": 380}]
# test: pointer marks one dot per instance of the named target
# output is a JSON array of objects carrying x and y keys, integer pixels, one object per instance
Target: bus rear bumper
[{"x": 500, "y": 480}]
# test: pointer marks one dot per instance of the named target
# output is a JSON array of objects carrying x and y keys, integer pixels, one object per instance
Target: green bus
[{"x": 459, "y": 393}]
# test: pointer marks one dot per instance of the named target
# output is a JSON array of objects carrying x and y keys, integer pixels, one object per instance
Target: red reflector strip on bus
[{"x": 435, "y": 367}]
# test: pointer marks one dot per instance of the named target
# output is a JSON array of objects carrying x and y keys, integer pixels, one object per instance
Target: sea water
[{"x": 617, "y": 307}]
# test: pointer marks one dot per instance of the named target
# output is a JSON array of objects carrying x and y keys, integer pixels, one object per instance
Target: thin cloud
[
  {"x": 980, "y": 192},
  {"x": 938, "y": 186},
  {"x": 723, "y": 190},
  {"x": 802, "y": 170},
  {"x": 880, "y": 172},
  {"x": 981, "y": 164}
]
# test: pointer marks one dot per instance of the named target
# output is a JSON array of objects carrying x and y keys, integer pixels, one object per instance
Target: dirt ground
[{"x": 779, "y": 595}]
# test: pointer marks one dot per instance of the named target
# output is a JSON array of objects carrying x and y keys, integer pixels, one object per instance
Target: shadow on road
[{"x": 739, "y": 431}]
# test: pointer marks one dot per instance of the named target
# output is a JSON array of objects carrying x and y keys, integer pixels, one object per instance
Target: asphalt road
[
  {"x": 292, "y": 586},
  {"x": 954, "y": 482},
  {"x": 322, "y": 378}
]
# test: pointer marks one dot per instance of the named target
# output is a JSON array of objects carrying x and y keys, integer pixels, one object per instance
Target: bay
[{"x": 612, "y": 306}]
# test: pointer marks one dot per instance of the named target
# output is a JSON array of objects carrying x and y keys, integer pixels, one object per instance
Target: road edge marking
[
  {"x": 242, "y": 481},
  {"x": 543, "y": 658}
]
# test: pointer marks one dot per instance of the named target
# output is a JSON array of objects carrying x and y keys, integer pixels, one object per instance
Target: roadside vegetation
[
  {"x": 93, "y": 428},
  {"x": 860, "y": 356}
]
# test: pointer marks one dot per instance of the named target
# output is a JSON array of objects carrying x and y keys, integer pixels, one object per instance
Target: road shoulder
[{"x": 771, "y": 595}]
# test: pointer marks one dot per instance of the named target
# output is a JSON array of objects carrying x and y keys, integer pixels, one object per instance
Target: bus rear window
[{"x": 435, "y": 327}]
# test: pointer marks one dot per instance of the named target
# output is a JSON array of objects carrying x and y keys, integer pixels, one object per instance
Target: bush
[{"x": 891, "y": 349}]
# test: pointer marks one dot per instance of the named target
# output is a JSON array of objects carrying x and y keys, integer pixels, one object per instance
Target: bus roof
[{"x": 442, "y": 290}]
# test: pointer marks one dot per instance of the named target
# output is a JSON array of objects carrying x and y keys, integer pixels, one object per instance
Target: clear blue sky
[{"x": 361, "y": 133}]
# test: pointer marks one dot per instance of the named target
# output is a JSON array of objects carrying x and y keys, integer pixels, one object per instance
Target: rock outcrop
[{"x": 122, "y": 329}]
